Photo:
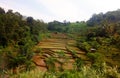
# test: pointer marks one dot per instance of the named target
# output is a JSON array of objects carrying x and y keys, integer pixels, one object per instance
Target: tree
[
  {"x": 30, "y": 20},
  {"x": 2, "y": 11},
  {"x": 20, "y": 35}
]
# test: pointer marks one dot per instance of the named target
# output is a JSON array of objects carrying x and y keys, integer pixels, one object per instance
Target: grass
[
  {"x": 85, "y": 72},
  {"x": 29, "y": 74},
  {"x": 79, "y": 70}
]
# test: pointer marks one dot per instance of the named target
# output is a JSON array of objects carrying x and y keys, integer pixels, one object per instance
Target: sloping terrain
[{"x": 57, "y": 52}]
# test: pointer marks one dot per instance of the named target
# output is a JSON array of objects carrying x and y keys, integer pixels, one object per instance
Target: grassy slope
[
  {"x": 86, "y": 72},
  {"x": 57, "y": 53},
  {"x": 59, "y": 48}
]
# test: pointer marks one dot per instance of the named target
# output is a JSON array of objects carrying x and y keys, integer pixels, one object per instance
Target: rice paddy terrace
[{"x": 57, "y": 52}]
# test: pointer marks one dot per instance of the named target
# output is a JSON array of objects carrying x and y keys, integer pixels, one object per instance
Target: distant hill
[{"x": 109, "y": 17}]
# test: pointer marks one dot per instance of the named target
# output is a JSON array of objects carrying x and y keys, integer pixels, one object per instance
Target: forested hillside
[
  {"x": 18, "y": 34},
  {"x": 81, "y": 49}
]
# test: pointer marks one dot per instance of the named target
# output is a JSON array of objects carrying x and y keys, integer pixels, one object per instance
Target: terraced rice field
[{"x": 57, "y": 52}]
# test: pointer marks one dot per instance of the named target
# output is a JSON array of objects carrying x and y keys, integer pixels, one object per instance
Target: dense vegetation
[
  {"x": 98, "y": 38},
  {"x": 18, "y": 34}
]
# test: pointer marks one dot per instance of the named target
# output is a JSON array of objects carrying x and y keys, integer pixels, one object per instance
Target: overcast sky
[{"x": 70, "y": 10}]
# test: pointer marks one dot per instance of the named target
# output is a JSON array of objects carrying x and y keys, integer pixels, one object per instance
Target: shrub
[
  {"x": 51, "y": 63},
  {"x": 85, "y": 46},
  {"x": 79, "y": 63},
  {"x": 85, "y": 72}
]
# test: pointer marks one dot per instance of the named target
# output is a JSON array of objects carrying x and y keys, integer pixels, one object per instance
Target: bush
[
  {"x": 84, "y": 46},
  {"x": 79, "y": 63},
  {"x": 86, "y": 72},
  {"x": 51, "y": 64},
  {"x": 97, "y": 60}
]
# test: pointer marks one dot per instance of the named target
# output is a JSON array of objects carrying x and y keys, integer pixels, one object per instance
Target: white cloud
[
  {"x": 62, "y": 9},
  {"x": 71, "y": 10}
]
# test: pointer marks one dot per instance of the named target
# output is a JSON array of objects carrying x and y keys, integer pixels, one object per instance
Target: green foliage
[
  {"x": 76, "y": 28},
  {"x": 51, "y": 64},
  {"x": 97, "y": 60},
  {"x": 17, "y": 37},
  {"x": 74, "y": 54},
  {"x": 79, "y": 63},
  {"x": 101, "y": 32},
  {"x": 67, "y": 27},
  {"x": 94, "y": 56},
  {"x": 94, "y": 44},
  {"x": 58, "y": 26},
  {"x": 86, "y": 72},
  {"x": 86, "y": 45},
  {"x": 43, "y": 36},
  {"x": 61, "y": 53}
]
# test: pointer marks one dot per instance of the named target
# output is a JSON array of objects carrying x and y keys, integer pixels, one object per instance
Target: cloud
[
  {"x": 70, "y": 10},
  {"x": 62, "y": 9}
]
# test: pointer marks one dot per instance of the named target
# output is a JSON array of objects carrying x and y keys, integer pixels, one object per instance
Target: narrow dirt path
[{"x": 57, "y": 51}]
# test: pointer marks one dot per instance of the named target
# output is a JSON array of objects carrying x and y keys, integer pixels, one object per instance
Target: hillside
[{"x": 61, "y": 49}]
